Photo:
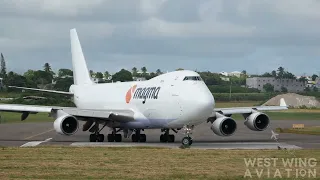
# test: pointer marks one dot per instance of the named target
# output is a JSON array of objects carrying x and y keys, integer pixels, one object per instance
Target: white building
[
  {"x": 235, "y": 73},
  {"x": 224, "y": 73}
]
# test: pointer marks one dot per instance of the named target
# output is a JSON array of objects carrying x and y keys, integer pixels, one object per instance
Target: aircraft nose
[{"x": 202, "y": 104}]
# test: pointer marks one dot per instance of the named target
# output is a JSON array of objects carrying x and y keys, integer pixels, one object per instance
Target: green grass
[
  {"x": 9, "y": 117},
  {"x": 237, "y": 104},
  {"x": 138, "y": 163},
  {"x": 291, "y": 114},
  {"x": 313, "y": 130}
]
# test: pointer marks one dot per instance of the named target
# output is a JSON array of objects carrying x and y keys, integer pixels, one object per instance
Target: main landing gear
[
  {"x": 187, "y": 141},
  {"x": 97, "y": 137},
  {"x": 138, "y": 137},
  {"x": 166, "y": 137}
]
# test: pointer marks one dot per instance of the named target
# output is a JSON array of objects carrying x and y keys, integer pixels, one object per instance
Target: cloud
[{"x": 213, "y": 35}]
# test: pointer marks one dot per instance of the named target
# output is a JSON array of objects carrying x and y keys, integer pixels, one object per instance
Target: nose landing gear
[{"x": 187, "y": 141}]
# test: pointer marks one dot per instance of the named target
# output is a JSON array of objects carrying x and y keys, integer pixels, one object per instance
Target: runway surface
[{"x": 40, "y": 134}]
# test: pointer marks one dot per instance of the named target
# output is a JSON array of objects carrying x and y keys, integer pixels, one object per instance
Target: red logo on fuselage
[{"x": 130, "y": 93}]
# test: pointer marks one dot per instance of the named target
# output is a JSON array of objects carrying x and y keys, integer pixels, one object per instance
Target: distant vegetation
[{"x": 231, "y": 88}]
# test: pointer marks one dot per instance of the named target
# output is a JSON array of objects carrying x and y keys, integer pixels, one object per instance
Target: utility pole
[{"x": 230, "y": 90}]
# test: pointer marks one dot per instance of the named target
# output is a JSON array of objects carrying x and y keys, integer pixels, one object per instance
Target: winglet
[{"x": 283, "y": 103}]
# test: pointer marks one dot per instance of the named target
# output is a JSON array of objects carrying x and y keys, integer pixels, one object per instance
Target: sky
[{"x": 202, "y": 35}]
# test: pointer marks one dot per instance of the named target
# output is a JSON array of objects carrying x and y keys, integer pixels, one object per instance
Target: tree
[
  {"x": 65, "y": 73},
  {"x": 211, "y": 78},
  {"x": 280, "y": 72},
  {"x": 134, "y": 71},
  {"x": 314, "y": 77},
  {"x": 307, "y": 89},
  {"x": 303, "y": 79},
  {"x": 274, "y": 73},
  {"x": 268, "y": 87},
  {"x": 99, "y": 75},
  {"x": 63, "y": 84},
  {"x": 3, "y": 68},
  {"x": 266, "y": 75},
  {"x": 123, "y": 76},
  {"x": 158, "y": 72},
  {"x": 144, "y": 70},
  {"x": 106, "y": 74},
  {"x": 244, "y": 73},
  {"x": 91, "y": 73},
  {"x": 179, "y": 69},
  {"x": 284, "y": 89},
  {"x": 47, "y": 67},
  {"x": 14, "y": 79},
  {"x": 289, "y": 75}
]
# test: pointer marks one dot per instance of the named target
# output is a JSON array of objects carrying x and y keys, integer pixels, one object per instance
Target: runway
[{"x": 43, "y": 134}]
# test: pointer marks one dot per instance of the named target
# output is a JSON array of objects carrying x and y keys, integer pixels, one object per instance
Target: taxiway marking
[
  {"x": 34, "y": 143},
  {"x": 38, "y": 134}
]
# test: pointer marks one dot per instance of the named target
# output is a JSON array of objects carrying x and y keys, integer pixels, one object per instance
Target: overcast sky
[{"x": 203, "y": 35}]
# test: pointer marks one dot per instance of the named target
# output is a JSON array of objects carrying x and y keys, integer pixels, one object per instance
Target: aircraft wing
[
  {"x": 246, "y": 110},
  {"x": 107, "y": 114}
]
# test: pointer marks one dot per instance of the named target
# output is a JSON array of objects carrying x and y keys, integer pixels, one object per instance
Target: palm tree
[
  {"x": 47, "y": 67},
  {"x": 134, "y": 71},
  {"x": 158, "y": 72},
  {"x": 280, "y": 72},
  {"x": 106, "y": 74},
  {"x": 144, "y": 70},
  {"x": 91, "y": 73}
]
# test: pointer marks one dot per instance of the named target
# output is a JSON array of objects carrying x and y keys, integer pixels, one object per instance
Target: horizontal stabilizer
[{"x": 42, "y": 90}]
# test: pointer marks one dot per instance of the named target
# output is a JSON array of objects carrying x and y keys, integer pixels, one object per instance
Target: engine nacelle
[
  {"x": 224, "y": 126},
  {"x": 257, "y": 121},
  {"x": 66, "y": 125}
]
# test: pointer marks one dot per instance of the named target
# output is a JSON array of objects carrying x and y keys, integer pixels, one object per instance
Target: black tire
[
  {"x": 190, "y": 142},
  {"x": 134, "y": 138},
  {"x": 171, "y": 138},
  {"x": 186, "y": 141},
  {"x": 161, "y": 138},
  {"x": 93, "y": 138},
  {"x": 110, "y": 138},
  {"x": 118, "y": 138},
  {"x": 100, "y": 138},
  {"x": 143, "y": 138}
]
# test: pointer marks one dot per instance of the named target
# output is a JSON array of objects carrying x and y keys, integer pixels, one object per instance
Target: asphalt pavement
[{"x": 40, "y": 134}]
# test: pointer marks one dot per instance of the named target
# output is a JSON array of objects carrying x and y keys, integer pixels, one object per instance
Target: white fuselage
[{"x": 166, "y": 101}]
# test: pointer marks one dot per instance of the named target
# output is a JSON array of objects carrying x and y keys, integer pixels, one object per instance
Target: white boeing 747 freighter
[{"x": 175, "y": 101}]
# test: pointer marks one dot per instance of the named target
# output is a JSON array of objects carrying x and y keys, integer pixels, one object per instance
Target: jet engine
[
  {"x": 66, "y": 125},
  {"x": 257, "y": 121},
  {"x": 224, "y": 126}
]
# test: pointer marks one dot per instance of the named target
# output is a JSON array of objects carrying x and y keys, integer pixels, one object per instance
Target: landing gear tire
[
  {"x": 186, "y": 141},
  {"x": 139, "y": 138},
  {"x": 117, "y": 138},
  {"x": 96, "y": 138},
  {"x": 171, "y": 138},
  {"x": 134, "y": 138},
  {"x": 111, "y": 137},
  {"x": 100, "y": 137},
  {"x": 143, "y": 138},
  {"x": 167, "y": 138},
  {"x": 93, "y": 138}
]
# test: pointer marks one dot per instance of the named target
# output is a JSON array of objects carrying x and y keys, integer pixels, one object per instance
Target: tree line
[
  {"x": 47, "y": 79},
  {"x": 281, "y": 73}
]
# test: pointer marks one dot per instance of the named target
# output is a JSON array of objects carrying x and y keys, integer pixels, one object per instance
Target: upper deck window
[{"x": 192, "y": 78}]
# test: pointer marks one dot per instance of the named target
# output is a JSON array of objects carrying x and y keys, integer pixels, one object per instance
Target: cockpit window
[{"x": 192, "y": 78}]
